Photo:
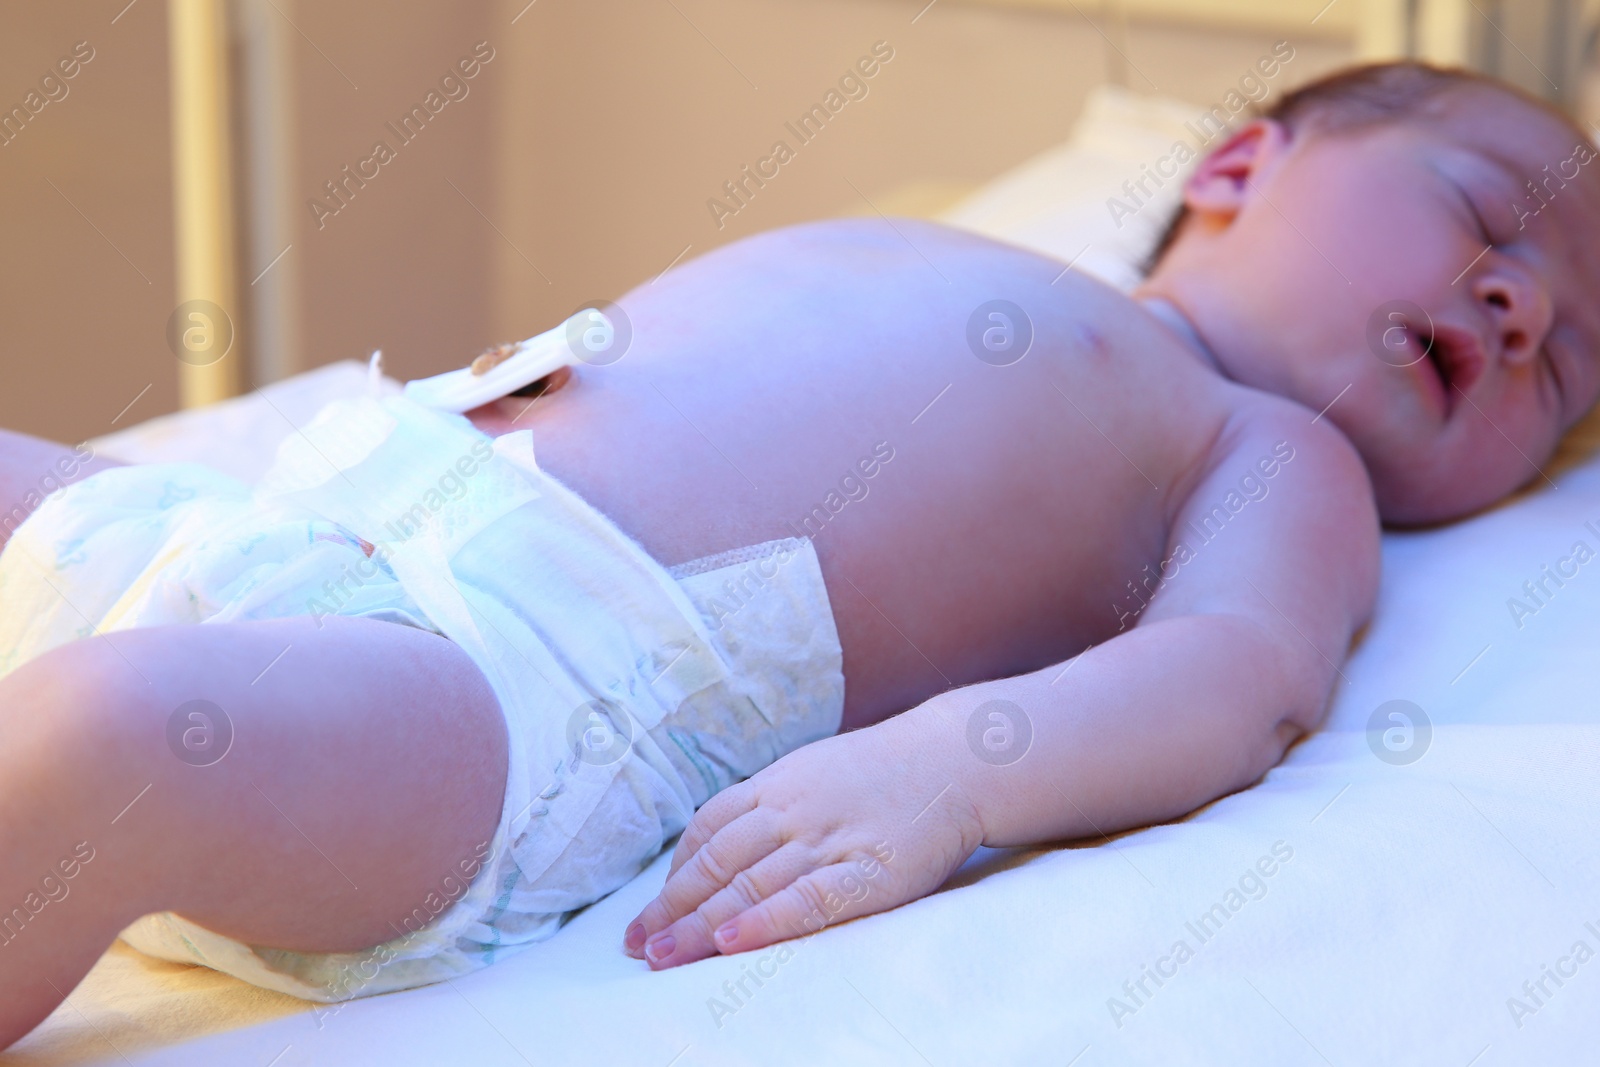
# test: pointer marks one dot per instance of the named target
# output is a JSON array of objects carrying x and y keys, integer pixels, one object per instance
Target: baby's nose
[{"x": 1520, "y": 310}]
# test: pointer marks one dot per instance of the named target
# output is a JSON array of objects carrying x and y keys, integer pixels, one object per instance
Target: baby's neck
[{"x": 1173, "y": 318}]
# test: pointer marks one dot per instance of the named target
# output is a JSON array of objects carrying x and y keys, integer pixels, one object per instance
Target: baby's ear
[{"x": 1222, "y": 182}]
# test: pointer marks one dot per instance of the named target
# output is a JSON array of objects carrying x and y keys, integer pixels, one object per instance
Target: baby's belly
[{"x": 972, "y": 519}]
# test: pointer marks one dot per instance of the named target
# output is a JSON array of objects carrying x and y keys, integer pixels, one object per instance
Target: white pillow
[{"x": 1061, "y": 201}]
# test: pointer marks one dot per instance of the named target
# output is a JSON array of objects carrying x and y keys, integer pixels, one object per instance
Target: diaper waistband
[{"x": 766, "y": 607}]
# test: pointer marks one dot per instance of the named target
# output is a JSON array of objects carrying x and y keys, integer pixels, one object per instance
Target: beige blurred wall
[
  {"x": 578, "y": 165},
  {"x": 86, "y": 279},
  {"x": 623, "y": 117},
  {"x": 406, "y": 266}
]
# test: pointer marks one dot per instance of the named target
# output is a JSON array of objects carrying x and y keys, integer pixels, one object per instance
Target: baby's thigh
[
  {"x": 304, "y": 783},
  {"x": 31, "y": 468}
]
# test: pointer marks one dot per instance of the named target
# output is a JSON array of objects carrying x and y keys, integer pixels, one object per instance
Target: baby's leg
[
  {"x": 368, "y": 760},
  {"x": 31, "y": 468}
]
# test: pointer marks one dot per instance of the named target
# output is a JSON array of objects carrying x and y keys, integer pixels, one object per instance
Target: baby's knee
[
  {"x": 81, "y": 769},
  {"x": 84, "y": 705}
]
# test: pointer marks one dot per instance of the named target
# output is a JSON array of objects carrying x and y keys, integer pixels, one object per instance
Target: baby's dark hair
[{"x": 1361, "y": 96}]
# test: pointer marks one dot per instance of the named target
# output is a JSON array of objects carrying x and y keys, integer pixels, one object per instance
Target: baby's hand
[{"x": 847, "y": 826}]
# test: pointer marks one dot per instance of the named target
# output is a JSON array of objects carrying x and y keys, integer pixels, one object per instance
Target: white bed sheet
[{"x": 1418, "y": 900}]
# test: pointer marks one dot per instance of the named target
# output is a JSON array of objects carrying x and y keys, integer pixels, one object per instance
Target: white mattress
[{"x": 1418, "y": 899}]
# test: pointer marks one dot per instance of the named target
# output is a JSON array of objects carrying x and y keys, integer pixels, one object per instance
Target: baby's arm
[{"x": 1232, "y": 660}]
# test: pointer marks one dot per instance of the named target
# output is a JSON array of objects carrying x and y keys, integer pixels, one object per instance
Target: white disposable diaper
[{"x": 631, "y": 693}]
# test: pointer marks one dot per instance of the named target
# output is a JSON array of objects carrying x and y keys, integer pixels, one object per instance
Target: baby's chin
[
  {"x": 1421, "y": 496},
  {"x": 1401, "y": 508},
  {"x": 1424, "y": 477}
]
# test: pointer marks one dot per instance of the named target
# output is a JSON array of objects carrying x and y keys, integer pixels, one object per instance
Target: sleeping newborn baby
[{"x": 880, "y": 542}]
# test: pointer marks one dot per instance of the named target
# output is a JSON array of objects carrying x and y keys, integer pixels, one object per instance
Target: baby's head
[{"x": 1423, "y": 245}]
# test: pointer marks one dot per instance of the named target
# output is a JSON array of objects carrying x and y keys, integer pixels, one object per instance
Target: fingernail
[
  {"x": 634, "y": 937},
  {"x": 727, "y": 933},
  {"x": 661, "y": 947}
]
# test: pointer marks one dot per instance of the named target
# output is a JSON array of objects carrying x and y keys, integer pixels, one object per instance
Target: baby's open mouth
[
  {"x": 1435, "y": 369},
  {"x": 1452, "y": 360}
]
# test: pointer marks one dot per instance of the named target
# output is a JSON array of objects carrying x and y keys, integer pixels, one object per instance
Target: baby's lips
[{"x": 1461, "y": 354}]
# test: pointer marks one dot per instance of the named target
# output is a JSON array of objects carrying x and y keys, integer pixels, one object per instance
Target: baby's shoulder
[
  {"x": 1294, "y": 497},
  {"x": 1254, "y": 416},
  {"x": 1305, "y": 455}
]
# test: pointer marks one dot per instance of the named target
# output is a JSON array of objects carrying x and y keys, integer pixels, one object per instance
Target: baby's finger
[
  {"x": 690, "y": 939},
  {"x": 713, "y": 815},
  {"x": 822, "y": 898},
  {"x": 737, "y": 846}
]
